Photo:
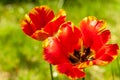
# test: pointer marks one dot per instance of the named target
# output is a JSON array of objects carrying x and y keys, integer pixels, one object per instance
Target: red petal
[
  {"x": 90, "y": 26},
  {"x": 94, "y": 23},
  {"x": 88, "y": 35},
  {"x": 36, "y": 20},
  {"x": 85, "y": 64},
  {"x": 70, "y": 70},
  {"x": 69, "y": 36},
  {"x": 105, "y": 36},
  {"x": 40, "y": 16},
  {"x": 40, "y": 35},
  {"x": 27, "y": 25},
  {"x": 100, "y": 40},
  {"x": 53, "y": 51},
  {"x": 107, "y": 53},
  {"x": 53, "y": 26}
]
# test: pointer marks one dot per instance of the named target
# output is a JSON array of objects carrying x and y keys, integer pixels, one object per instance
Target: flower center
[{"x": 79, "y": 57}]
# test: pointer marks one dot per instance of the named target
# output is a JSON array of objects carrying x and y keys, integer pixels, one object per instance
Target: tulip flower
[
  {"x": 41, "y": 22},
  {"x": 73, "y": 48}
]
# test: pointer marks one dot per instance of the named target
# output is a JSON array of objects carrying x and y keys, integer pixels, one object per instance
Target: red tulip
[
  {"x": 41, "y": 22},
  {"x": 59, "y": 49},
  {"x": 72, "y": 49}
]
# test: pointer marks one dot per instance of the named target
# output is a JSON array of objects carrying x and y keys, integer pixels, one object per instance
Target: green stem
[
  {"x": 51, "y": 73},
  {"x": 112, "y": 73},
  {"x": 83, "y": 78},
  {"x": 118, "y": 66}
]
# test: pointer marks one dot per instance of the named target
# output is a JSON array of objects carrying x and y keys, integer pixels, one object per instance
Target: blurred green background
[{"x": 21, "y": 57}]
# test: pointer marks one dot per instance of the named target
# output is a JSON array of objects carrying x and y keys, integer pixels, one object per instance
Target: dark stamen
[
  {"x": 77, "y": 54},
  {"x": 73, "y": 59},
  {"x": 87, "y": 52},
  {"x": 78, "y": 57}
]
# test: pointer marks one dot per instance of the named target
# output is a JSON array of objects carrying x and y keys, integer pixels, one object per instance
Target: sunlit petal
[
  {"x": 93, "y": 22},
  {"x": 41, "y": 22},
  {"x": 53, "y": 51},
  {"x": 100, "y": 40},
  {"x": 69, "y": 36},
  {"x": 107, "y": 53},
  {"x": 53, "y": 26},
  {"x": 40, "y": 16},
  {"x": 71, "y": 71}
]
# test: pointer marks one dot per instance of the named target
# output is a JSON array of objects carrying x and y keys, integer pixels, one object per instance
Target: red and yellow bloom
[
  {"x": 72, "y": 49},
  {"x": 59, "y": 49},
  {"x": 95, "y": 39},
  {"x": 68, "y": 47},
  {"x": 41, "y": 22}
]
